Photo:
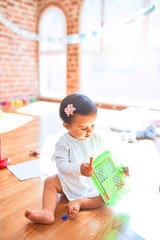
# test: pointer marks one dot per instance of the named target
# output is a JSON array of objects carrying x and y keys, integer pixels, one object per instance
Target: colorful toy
[
  {"x": 109, "y": 179},
  {"x": 16, "y": 102},
  {"x": 4, "y": 161}
]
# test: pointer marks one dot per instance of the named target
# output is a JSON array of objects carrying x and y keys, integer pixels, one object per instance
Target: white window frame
[
  {"x": 133, "y": 89},
  {"x": 52, "y": 56}
]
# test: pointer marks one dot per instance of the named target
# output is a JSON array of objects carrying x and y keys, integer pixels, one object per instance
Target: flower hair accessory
[{"x": 69, "y": 110}]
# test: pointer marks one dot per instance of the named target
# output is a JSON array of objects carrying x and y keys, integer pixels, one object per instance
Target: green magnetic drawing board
[{"x": 109, "y": 179}]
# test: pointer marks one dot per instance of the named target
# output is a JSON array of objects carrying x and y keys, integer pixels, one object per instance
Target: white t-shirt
[{"x": 69, "y": 154}]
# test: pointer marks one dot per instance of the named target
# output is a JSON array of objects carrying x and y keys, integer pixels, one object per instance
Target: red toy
[{"x": 4, "y": 161}]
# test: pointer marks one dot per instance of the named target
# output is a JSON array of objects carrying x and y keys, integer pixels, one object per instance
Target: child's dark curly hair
[{"x": 80, "y": 103}]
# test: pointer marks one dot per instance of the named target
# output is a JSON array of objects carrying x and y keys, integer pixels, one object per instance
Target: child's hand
[
  {"x": 125, "y": 171},
  {"x": 86, "y": 169}
]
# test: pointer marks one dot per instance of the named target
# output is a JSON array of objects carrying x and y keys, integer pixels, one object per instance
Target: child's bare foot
[
  {"x": 73, "y": 208},
  {"x": 40, "y": 216}
]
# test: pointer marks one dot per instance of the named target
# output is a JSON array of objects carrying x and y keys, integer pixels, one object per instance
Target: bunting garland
[{"x": 77, "y": 38}]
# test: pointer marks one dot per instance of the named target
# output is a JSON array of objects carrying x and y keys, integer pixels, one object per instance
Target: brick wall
[{"x": 19, "y": 56}]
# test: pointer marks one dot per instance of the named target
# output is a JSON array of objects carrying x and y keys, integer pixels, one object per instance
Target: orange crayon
[{"x": 91, "y": 160}]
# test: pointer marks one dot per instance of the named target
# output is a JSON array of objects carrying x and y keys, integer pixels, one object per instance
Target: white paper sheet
[{"x": 26, "y": 170}]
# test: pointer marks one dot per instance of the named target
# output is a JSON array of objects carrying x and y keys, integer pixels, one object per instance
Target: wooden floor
[{"x": 135, "y": 218}]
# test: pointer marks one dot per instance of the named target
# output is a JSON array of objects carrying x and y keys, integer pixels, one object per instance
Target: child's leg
[
  {"x": 84, "y": 203},
  {"x": 52, "y": 187}
]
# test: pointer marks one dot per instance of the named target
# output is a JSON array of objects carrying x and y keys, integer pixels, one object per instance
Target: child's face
[{"x": 81, "y": 126}]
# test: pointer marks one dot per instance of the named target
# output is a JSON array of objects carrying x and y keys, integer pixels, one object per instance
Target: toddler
[{"x": 72, "y": 154}]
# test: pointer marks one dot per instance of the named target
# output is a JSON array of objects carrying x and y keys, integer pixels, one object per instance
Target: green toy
[{"x": 109, "y": 179}]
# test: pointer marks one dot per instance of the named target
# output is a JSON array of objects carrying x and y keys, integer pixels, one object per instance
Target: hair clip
[{"x": 69, "y": 110}]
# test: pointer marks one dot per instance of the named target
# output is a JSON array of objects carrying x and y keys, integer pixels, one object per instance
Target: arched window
[
  {"x": 52, "y": 54},
  {"x": 119, "y": 65}
]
